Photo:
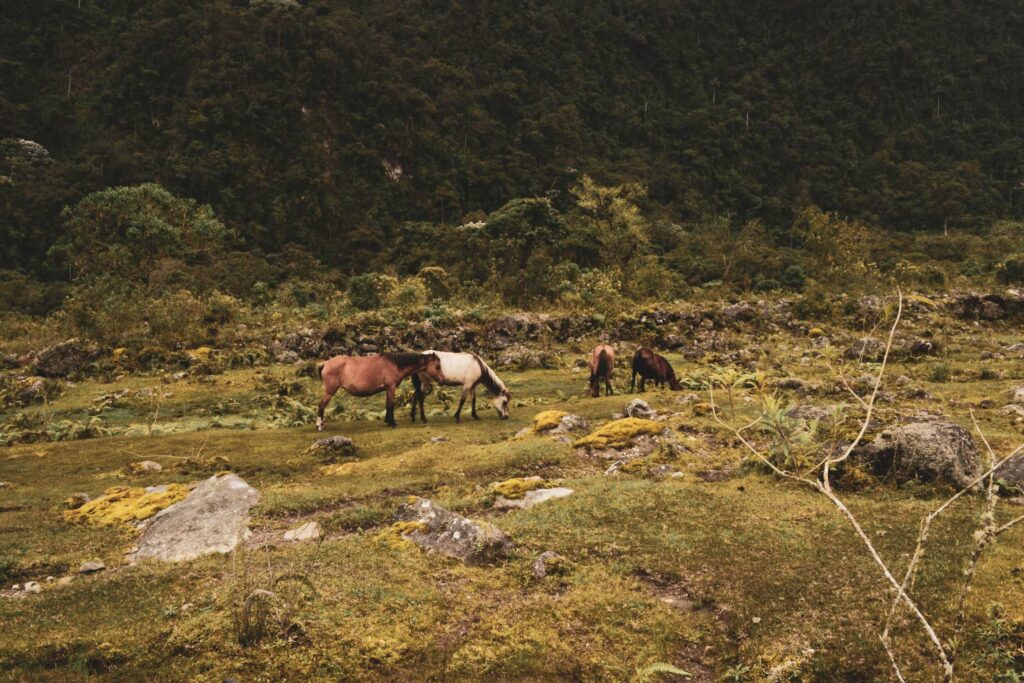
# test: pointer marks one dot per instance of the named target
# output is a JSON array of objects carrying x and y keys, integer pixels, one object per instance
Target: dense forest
[{"x": 331, "y": 124}]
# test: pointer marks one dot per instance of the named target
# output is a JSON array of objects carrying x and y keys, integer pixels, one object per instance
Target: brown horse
[
  {"x": 602, "y": 362},
  {"x": 650, "y": 365},
  {"x": 368, "y": 375}
]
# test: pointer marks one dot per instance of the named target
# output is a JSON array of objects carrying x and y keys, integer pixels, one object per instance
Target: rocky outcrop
[
  {"x": 332, "y": 448},
  {"x": 436, "y": 529},
  {"x": 927, "y": 448},
  {"x": 638, "y": 408},
  {"x": 213, "y": 518},
  {"x": 66, "y": 358}
]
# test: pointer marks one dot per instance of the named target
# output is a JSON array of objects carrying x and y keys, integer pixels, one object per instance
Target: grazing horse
[
  {"x": 650, "y": 365},
  {"x": 465, "y": 370},
  {"x": 602, "y": 362},
  {"x": 368, "y": 375}
]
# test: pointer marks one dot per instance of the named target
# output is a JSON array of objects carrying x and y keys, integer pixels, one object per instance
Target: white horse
[{"x": 465, "y": 370}]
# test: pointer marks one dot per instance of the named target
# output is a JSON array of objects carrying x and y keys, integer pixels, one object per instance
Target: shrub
[
  {"x": 940, "y": 373},
  {"x": 368, "y": 291},
  {"x": 1011, "y": 270},
  {"x": 437, "y": 281},
  {"x": 176, "y": 319},
  {"x": 409, "y": 293},
  {"x": 794, "y": 277},
  {"x": 766, "y": 285}
]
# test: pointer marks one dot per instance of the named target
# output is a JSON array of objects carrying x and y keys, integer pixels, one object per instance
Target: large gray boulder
[
  {"x": 66, "y": 358},
  {"x": 436, "y": 529},
  {"x": 638, "y": 408},
  {"x": 213, "y": 518},
  {"x": 927, "y": 448},
  {"x": 1012, "y": 471}
]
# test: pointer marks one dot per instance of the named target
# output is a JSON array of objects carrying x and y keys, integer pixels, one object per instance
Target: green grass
[{"x": 738, "y": 549}]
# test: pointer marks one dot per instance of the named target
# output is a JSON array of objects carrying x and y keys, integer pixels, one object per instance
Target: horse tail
[{"x": 603, "y": 363}]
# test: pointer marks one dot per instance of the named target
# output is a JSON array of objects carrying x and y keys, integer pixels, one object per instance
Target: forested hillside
[{"x": 331, "y": 122}]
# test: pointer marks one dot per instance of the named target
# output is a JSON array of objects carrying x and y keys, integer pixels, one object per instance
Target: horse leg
[
  {"x": 389, "y": 413},
  {"x": 320, "y": 409},
  {"x": 632, "y": 383},
  {"x": 416, "y": 392},
  {"x": 607, "y": 385},
  {"x": 462, "y": 402},
  {"x": 472, "y": 392}
]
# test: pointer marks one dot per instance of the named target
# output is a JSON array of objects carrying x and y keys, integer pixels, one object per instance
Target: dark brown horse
[
  {"x": 602, "y": 362},
  {"x": 650, "y": 365},
  {"x": 368, "y": 375}
]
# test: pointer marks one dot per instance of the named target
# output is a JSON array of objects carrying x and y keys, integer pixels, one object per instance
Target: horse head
[
  {"x": 501, "y": 402},
  {"x": 433, "y": 368}
]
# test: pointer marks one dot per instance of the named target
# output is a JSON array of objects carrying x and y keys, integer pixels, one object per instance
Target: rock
[
  {"x": 310, "y": 531},
  {"x": 638, "y": 408},
  {"x": 867, "y": 349},
  {"x": 334, "y": 447},
  {"x": 522, "y": 358},
  {"x": 531, "y": 498},
  {"x": 1012, "y": 471},
  {"x": 549, "y": 563},
  {"x": 809, "y": 413},
  {"x": 66, "y": 358},
  {"x": 32, "y": 587},
  {"x": 572, "y": 424},
  {"x": 91, "y": 567},
  {"x": 438, "y": 530},
  {"x": 16, "y": 587},
  {"x": 903, "y": 381},
  {"x": 438, "y": 439},
  {"x": 792, "y": 383},
  {"x": 144, "y": 467},
  {"x": 1018, "y": 395},
  {"x": 928, "y": 448},
  {"x": 5, "y": 485},
  {"x": 76, "y": 500},
  {"x": 213, "y": 518},
  {"x": 923, "y": 347}
]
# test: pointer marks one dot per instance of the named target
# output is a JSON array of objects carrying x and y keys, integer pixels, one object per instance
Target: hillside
[{"x": 330, "y": 122}]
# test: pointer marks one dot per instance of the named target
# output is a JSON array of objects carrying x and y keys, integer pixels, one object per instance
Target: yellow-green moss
[
  {"x": 548, "y": 419},
  {"x": 619, "y": 433},
  {"x": 119, "y": 353},
  {"x": 122, "y": 505},
  {"x": 815, "y": 332},
  {"x": 638, "y": 466},
  {"x": 701, "y": 409},
  {"x": 337, "y": 470},
  {"x": 517, "y": 488},
  {"x": 201, "y": 353},
  {"x": 408, "y": 527}
]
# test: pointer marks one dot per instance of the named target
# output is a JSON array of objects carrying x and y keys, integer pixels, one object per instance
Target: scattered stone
[
  {"x": 439, "y": 439},
  {"x": 5, "y": 485},
  {"x": 549, "y": 563},
  {"x": 1012, "y": 471},
  {"x": 903, "y": 381},
  {"x": 49, "y": 579},
  {"x": 32, "y": 587},
  {"x": 572, "y": 424},
  {"x": 91, "y": 567},
  {"x": 16, "y": 587},
  {"x": 531, "y": 498},
  {"x": 330, "y": 449},
  {"x": 1018, "y": 395},
  {"x": 756, "y": 620},
  {"x": 638, "y": 408},
  {"x": 923, "y": 347},
  {"x": 435, "y": 529},
  {"x": 792, "y": 383},
  {"x": 212, "y": 519},
  {"x": 927, "y": 447},
  {"x": 867, "y": 349},
  {"x": 809, "y": 413},
  {"x": 186, "y": 607},
  {"x": 144, "y": 467},
  {"x": 310, "y": 531}
]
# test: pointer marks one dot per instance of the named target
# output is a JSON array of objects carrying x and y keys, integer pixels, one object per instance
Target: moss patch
[
  {"x": 123, "y": 505},
  {"x": 518, "y": 487},
  {"x": 620, "y": 433},
  {"x": 548, "y": 419}
]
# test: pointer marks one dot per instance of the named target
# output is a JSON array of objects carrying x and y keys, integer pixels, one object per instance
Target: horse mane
[
  {"x": 491, "y": 381},
  {"x": 405, "y": 360}
]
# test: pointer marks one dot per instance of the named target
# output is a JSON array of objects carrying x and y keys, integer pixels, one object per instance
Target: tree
[{"x": 124, "y": 231}]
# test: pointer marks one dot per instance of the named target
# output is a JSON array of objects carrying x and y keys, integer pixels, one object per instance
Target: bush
[
  {"x": 177, "y": 318},
  {"x": 940, "y": 373},
  {"x": 766, "y": 285},
  {"x": 437, "y": 281},
  {"x": 409, "y": 293},
  {"x": 794, "y": 277},
  {"x": 1011, "y": 271},
  {"x": 368, "y": 291}
]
